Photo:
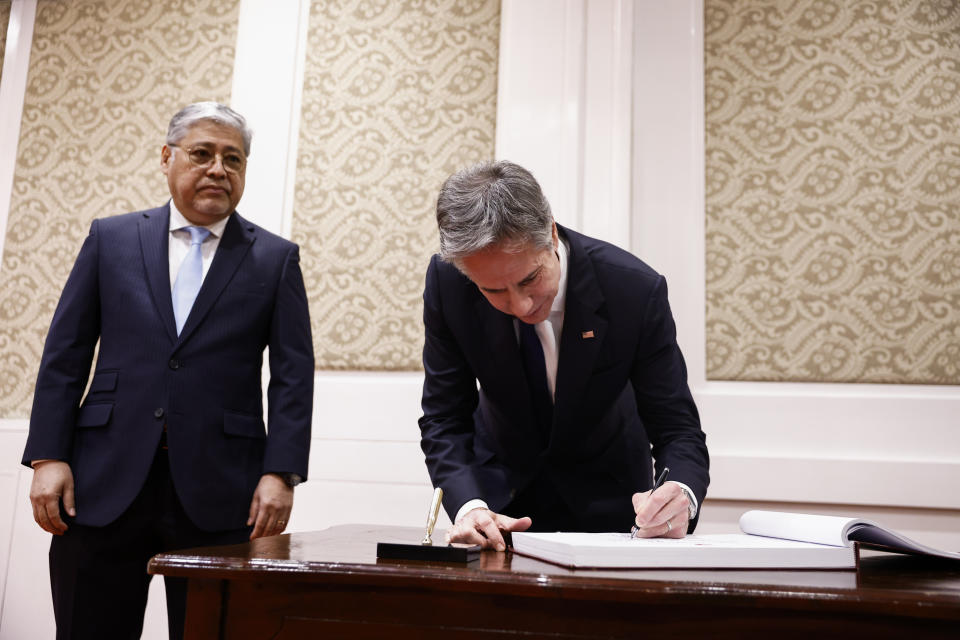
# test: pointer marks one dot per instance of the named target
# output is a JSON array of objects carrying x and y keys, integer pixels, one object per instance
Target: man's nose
[
  {"x": 216, "y": 167},
  {"x": 521, "y": 303}
]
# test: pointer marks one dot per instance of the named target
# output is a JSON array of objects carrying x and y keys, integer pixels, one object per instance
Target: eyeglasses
[{"x": 203, "y": 158}]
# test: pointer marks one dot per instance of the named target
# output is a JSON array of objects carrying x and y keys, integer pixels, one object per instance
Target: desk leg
[{"x": 204, "y": 609}]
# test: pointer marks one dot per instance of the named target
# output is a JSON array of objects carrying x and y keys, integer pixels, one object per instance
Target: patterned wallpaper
[
  {"x": 397, "y": 96},
  {"x": 4, "y": 20},
  {"x": 104, "y": 79},
  {"x": 833, "y": 190}
]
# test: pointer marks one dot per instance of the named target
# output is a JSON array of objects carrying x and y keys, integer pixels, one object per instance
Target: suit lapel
[
  {"x": 236, "y": 241},
  {"x": 584, "y": 330},
  {"x": 504, "y": 354},
  {"x": 154, "y": 245}
]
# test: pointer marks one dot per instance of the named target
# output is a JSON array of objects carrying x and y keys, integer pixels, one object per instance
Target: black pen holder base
[{"x": 453, "y": 552}]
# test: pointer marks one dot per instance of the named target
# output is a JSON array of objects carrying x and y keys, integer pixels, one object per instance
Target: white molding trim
[
  {"x": 267, "y": 79},
  {"x": 14, "y": 425},
  {"x": 608, "y": 97},
  {"x": 13, "y": 86},
  {"x": 564, "y": 106},
  {"x": 296, "y": 109},
  {"x": 342, "y": 409},
  {"x": 875, "y": 482},
  {"x": 540, "y": 97}
]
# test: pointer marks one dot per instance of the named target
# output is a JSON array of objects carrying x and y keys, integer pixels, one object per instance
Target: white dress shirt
[
  {"x": 549, "y": 330},
  {"x": 179, "y": 244}
]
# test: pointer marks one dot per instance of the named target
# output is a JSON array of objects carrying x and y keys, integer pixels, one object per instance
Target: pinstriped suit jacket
[{"x": 203, "y": 385}]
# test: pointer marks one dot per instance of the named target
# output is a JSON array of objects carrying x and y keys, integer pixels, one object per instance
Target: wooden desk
[{"x": 330, "y": 584}]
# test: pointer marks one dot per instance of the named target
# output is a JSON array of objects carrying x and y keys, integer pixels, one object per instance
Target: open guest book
[{"x": 770, "y": 540}]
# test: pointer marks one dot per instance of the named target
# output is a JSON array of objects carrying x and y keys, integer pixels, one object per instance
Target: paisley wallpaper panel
[
  {"x": 397, "y": 95},
  {"x": 833, "y": 190}
]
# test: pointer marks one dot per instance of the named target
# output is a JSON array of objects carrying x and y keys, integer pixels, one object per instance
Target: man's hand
[
  {"x": 662, "y": 514},
  {"x": 270, "y": 507},
  {"x": 483, "y": 527},
  {"x": 52, "y": 481}
]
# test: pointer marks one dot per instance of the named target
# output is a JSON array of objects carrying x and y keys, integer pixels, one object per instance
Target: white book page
[
  {"x": 834, "y": 531},
  {"x": 830, "y": 530}
]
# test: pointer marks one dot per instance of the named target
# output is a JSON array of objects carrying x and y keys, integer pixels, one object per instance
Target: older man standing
[
  {"x": 168, "y": 449},
  {"x": 552, "y": 372}
]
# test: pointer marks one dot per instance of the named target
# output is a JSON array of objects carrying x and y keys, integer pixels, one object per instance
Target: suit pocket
[
  {"x": 94, "y": 415},
  {"x": 243, "y": 425},
  {"x": 104, "y": 381}
]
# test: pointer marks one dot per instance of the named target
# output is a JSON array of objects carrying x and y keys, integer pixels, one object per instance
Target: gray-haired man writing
[{"x": 552, "y": 373}]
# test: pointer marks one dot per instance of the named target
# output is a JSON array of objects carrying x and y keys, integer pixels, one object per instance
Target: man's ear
[{"x": 166, "y": 156}]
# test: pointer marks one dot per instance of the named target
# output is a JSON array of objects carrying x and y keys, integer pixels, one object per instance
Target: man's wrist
[
  {"x": 291, "y": 479},
  {"x": 693, "y": 506}
]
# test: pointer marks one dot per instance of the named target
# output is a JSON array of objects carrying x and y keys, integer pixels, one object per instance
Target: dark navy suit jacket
[
  {"x": 203, "y": 385},
  {"x": 621, "y": 389}
]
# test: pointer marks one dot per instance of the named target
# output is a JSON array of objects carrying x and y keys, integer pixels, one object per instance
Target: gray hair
[
  {"x": 191, "y": 114},
  {"x": 492, "y": 204}
]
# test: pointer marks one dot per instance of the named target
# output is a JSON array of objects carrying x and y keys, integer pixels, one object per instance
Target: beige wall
[
  {"x": 833, "y": 190},
  {"x": 103, "y": 81},
  {"x": 396, "y": 96}
]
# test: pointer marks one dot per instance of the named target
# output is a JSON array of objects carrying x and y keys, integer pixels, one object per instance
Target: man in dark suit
[
  {"x": 551, "y": 372},
  {"x": 168, "y": 448}
]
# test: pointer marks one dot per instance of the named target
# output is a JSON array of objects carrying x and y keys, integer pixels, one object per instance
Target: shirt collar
[
  {"x": 178, "y": 221},
  {"x": 560, "y": 300}
]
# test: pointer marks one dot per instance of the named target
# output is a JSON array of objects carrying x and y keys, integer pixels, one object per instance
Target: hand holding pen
[{"x": 663, "y": 508}]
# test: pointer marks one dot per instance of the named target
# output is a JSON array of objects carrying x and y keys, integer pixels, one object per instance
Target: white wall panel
[
  {"x": 8, "y": 501},
  {"x": 326, "y": 503},
  {"x": 27, "y": 611},
  {"x": 369, "y": 461},
  {"x": 564, "y": 106},
  {"x": 540, "y": 96},
  {"x": 607, "y": 121},
  {"x": 27, "y": 608},
  {"x": 367, "y": 406},
  {"x": 267, "y": 81},
  {"x": 16, "y": 62}
]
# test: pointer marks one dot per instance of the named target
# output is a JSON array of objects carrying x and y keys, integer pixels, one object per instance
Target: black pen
[{"x": 656, "y": 485}]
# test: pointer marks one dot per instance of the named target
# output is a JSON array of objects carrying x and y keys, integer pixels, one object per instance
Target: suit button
[
  {"x": 174, "y": 364},
  {"x": 158, "y": 413}
]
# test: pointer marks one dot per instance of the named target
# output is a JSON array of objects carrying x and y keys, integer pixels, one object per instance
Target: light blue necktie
[{"x": 190, "y": 277}]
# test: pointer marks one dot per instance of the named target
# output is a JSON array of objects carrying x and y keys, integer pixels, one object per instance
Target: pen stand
[
  {"x": 426, "y": 550},
  {"x": 454, "y": 552}
]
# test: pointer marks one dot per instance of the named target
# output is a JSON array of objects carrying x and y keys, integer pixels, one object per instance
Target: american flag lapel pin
[{"x": 586, "y": 335}]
